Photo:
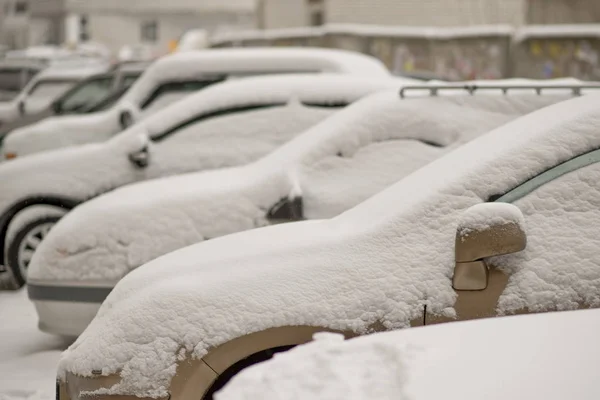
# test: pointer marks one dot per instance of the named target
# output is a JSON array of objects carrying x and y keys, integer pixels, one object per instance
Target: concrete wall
[
  {"x": 563, "y": 11},
  {"x": 274, "y": 14},
  {"x": 426, "y": 12},
  {"x": 117, "y": 30},
  {"x": 117, "y": 23},
  {"x": 294, "y": 13}
]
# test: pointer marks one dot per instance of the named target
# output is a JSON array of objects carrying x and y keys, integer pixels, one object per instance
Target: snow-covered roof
[
  {"x": 367, "y": 31},
  {"x": 203, "y": 63},
  {"x": 322, "y": 89},
  {"x": 557, "y": 31},
  {"x": 537, "y": 357},
  {"x": 379, "y": 262},
  {"x": 161, "y": 7},
  {"x": 71, "y": 73}
]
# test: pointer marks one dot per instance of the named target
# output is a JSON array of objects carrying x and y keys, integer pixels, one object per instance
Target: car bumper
[{"x": 66, "y": 309}]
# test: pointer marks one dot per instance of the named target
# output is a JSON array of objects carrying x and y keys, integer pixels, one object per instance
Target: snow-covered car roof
[
  {"x": 379, "y": 262},
  {"x": 202, "y": 63},
  {"x": 55, "y": 73},
  {"x": 535, "y": 357},
  {"x": 557, "y": 31}
]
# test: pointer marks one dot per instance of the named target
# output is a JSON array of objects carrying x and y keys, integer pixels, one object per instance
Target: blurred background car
[
  {"x": 505, "y": 224},
  {"x": 83, "y": 97},
  {"x": 172, "y": 78}
]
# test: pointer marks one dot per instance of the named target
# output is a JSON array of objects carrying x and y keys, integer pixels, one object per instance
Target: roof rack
[{"x": 471, "y": 89}]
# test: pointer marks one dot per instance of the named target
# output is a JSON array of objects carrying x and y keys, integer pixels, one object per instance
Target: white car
[
  {"x": 228, "y": 124},
  {"x": 505, "y": 224},
  {"x": 174, "y": 76},
  {"x": 43, "y": 89},
  {"x": 327, "y": 170},
  {"x": 535, "y": 357}
]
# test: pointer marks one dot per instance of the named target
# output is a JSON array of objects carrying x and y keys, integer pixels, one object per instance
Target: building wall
[
  {"x": 118, "y": 30},
  {"x": 563, "y": 11},
  {"x": 426, "y": 12},
  {"x": 294, "y": 13},
  {"x": 117, "y": 23},
  {"x": 274, "y": 14}
]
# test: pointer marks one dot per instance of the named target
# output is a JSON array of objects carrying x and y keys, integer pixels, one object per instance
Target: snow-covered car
[
  {"x": 228, "y": 124},
  {"x": 43, "y": 89},
  {"x": 82, "y": 97},
  {"x": 15, "y": 75},
  {"x": 505, "y": 224},
  {"x": 536, "y": 357},
  {"x": 175, "y": 76},
  {"x": 327, "y": 170}
]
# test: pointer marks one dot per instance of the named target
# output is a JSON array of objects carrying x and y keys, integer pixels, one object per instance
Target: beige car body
[{"x": 477, "y": 284}]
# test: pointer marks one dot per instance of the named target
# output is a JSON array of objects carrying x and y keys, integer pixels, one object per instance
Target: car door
[{"x": 560, "y": 266}]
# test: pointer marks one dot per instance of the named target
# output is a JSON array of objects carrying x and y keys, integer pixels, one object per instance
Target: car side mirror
[
  {"x": 140, "y": 158},
  {"x": 57, "y": 107},
  {"x": 21, "y": 107},
  {"x": 126, "y": 119},
  {"x": 286, "y": 210},
  {"x": 485, "y": 230}
]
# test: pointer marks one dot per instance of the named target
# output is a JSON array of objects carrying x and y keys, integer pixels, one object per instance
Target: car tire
[{"x": 24, "y": 244}]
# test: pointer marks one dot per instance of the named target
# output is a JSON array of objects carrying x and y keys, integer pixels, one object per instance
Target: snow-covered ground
[{"x": 28, "y": 357}]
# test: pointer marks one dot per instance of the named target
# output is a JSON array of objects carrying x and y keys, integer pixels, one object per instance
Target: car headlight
[{"x": 10, "y": 155}]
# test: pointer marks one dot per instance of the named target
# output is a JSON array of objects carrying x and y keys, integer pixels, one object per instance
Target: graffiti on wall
[
  {"x": 468, "y": 60},
  {"x": 560, "y": 58}
]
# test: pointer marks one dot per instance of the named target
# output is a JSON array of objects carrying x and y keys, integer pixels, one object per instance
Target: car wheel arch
[{"x": 11, "y": 212}]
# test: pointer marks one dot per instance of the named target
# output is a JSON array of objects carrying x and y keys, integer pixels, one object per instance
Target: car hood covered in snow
[
  {"x": 538, "y": 357},
  {"x": 379, "y": 262},
  {"x": 333, "y": 166}
]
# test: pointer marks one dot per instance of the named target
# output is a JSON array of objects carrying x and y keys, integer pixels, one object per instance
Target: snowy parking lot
[{"x": 29, "y": 357}]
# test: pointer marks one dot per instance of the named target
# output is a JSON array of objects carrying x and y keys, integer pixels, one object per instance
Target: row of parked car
[{"x": 428, "y": 203}]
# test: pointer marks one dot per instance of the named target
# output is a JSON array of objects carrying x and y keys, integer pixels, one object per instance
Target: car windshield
[
  {"x": 46, "y": 91},
  {"x": 86, "y": 94},
  {"x": 12, "y": 81}
]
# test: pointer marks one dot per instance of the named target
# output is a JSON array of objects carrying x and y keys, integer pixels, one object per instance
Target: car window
[
  {"x": 12, "y": 80},
  {"x": 107, "y": 102},
  {"x": 561, "y": 208},
  {"x": 158, "y": 137},
  {"x": 548, "y": 176},
  {"x": 175, "y": 89},
  {"x": 47, "y": 91},
  {"x": 129, "y": 79},
  {"x": 89, "y": 92},
  {"x": 235, "y": 136}
]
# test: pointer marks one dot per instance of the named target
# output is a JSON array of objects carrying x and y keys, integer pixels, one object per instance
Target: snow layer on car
[
  {"x": 379, "y": 262},
  {"x": 551, "y": 357},
  {"x": 83, "y": 172},
  {"x": 78, "y": 129},
  {"x": 45, "y": 135},
  {"x": 335, "y": 165}
]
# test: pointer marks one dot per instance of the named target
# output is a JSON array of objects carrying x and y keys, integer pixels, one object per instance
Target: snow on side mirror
[
  {"x": 485, "y": 230},
  {"x": 128, "y": 115},
  {"x": 139, "y": 155}
]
